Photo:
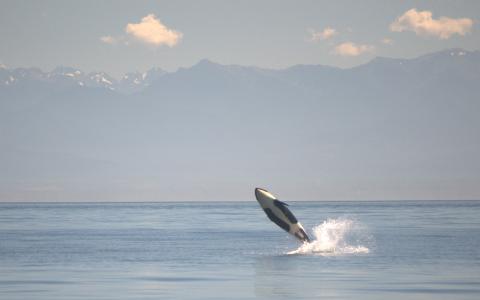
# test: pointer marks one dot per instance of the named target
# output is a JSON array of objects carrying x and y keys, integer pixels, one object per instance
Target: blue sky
[{"x": 114, "y": 36}]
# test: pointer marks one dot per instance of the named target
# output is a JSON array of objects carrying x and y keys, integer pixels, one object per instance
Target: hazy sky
[{"x": 122, "y": 36}]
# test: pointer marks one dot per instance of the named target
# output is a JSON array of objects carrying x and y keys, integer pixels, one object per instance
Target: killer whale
[{"x": 278, "y": 212}]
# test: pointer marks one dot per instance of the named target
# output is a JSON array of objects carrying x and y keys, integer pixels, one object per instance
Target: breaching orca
[{"x": 278, "y": 212}]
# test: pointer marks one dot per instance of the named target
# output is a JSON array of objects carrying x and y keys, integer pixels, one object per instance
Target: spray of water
[{"x": 336, "y": 237}]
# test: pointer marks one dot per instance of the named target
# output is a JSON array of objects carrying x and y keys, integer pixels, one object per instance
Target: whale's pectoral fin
[{"x": 277, "y": 220}]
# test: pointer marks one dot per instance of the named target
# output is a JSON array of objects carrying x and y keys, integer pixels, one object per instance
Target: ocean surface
[{"x": 209, "y": 250}]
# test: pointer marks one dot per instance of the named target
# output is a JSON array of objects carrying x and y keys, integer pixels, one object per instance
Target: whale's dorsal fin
[{"x": 281, "y": 202}]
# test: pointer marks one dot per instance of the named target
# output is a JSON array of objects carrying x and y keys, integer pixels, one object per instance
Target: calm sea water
[{"x": 362, "y": 250}]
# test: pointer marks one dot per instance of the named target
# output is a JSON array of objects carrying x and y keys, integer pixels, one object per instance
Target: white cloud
[
  {"x": 387, "y": 41},
  {"x": 325, "y": 34},
  {"x": 422, "y": 23},
  {"x": 108, "y": 39},
  {"x": 151, "y": 31},
  {"x": 352, "y": 49}
]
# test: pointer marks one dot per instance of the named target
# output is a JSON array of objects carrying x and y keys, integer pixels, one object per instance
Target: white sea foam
[{"x": 336, "y": 237}]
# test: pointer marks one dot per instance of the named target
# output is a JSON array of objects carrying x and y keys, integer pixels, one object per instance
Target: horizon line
[{"x": 232, "y": 201}]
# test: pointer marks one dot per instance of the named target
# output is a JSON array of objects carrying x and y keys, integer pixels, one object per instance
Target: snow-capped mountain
[
  {"x": 314, "y": 77},
  {"x": 100, "y": 79},
  {"x": 67, "y": 72},
  {"x": 64, "y": 77},
  {"x": 137, "y": 81}
]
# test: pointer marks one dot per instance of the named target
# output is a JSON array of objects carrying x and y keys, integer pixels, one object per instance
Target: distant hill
[{"x": 388, "y": 129}]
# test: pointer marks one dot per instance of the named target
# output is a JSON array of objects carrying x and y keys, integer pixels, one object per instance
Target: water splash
[{"x": 336, "y": 237}]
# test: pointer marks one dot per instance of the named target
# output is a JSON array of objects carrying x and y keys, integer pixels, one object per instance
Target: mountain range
[{"x": 388, "y": 129}]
